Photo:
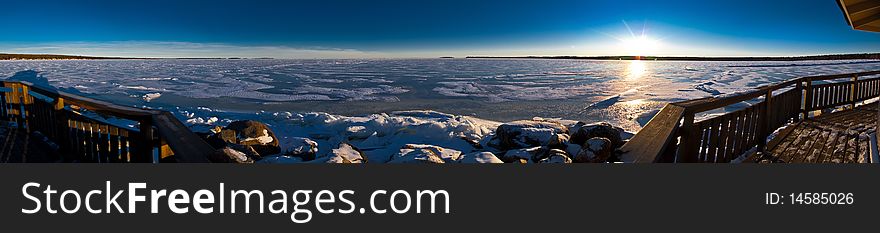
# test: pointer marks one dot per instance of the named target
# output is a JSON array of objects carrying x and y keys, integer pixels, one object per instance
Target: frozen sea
[
  {"x": 344, "y": 100},
  {"x": 619, "y": 92}
]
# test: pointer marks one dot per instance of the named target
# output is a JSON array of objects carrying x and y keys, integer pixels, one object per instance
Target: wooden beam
[
  {"x": 865, "y": 21},
  {"x": 869, "y": 28},
  {"x": 862, "y": 7}
]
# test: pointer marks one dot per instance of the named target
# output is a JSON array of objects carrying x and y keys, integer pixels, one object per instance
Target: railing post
[
  {"x": 689, "y": 142},
  {"x": 854, "y": 88},
  {"x": 19, "y": 98},
  {"x": 764, "y": 123},
  {"x": 799, "y": 87},
  {"x": 144, "y": 149},
  {"x": 808, "y": 97},
  {"x": 61, "y": 124}
]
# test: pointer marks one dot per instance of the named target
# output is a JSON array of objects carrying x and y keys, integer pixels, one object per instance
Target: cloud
[{"x": 166, "y": 49}]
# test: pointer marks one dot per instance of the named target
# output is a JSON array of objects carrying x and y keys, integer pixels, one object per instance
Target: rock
[
  {"x": 573, "y": 149},
  {"x": 254, "y": 134},
  {"x": 222, "y": 138},
  {"x": 530, "y": 133},
  {"x": 595, "y": 150},
  {"x": 556, "y": 156},
  {"x": 346, "y": 153},
  {"x": 229, "y": 155},
  {"x": 603, "y": 130},
  {"x": 448, "y": 155},
  {"x": 421, "y": 155},
  {"x": 520, "y": 161},
  {"x": 480, "y": 157},
  {"x": 246, "y": 133},
  {"x": 247, "y": 150},
  {"x": 529, "y": 154},
  {"x": 300, "y": 147}
]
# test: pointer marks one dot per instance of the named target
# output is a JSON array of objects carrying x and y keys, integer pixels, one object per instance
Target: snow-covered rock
[
  {"x": 151, "y": 96},
  {"x": 421, "y": 155},
  {"x": 595, "y": 150},
  {"x": 381, "y": 136},
  {"x": 584, "y": 132},
  {"x": 529, "y": 133},
  {"x": 248, "y": 133},
  {"x": 556, "y": 156},
  {"x": 531, "y": 154},
  {"x": 230, "y": 155},
  {"x": 447, "y": 155},
  {"x": 346, "y": 154},
  {"x": 299, "y": 147},
  {"x": 479, "y": 157}
]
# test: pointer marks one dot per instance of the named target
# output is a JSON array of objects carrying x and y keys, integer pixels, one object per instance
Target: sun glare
[
  {"x": 636, "y": 69},
  {"x": 640, "y": 46}
]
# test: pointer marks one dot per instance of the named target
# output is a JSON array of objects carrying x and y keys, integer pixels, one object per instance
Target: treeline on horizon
[
  {"x": 859, "y": 56},
  {"x": 11, "y": 56},
  {"x": 8, "y": 56}
]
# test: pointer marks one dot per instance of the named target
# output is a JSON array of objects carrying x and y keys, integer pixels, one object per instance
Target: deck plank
[{"x": 835, "y": 137}]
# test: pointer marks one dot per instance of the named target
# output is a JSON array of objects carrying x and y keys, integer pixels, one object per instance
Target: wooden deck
[
  {"x": 839, "y": 137},
  {"x": 845, "y": 136},
  {"x": 81, "y": 129},
  {"x": 18, "y": 146}
]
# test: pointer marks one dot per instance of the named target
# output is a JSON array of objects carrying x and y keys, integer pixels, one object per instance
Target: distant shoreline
[
  {"x": 9, "y": 56},
  {"x": 860, "y": 56},
  {"x": 27, "y": 57}
]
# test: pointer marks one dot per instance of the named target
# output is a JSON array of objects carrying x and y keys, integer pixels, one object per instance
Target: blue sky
[{"x": 332, "y": 29}]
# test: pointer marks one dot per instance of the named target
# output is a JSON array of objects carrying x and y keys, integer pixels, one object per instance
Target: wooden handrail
[
  {"x": 730, "y": 132},
  {"x": 45, "y": 109},
  {"x": 186, "y": 145},
  {"x": 92, "y": 104},
  {"x": 654, "y": 138}
]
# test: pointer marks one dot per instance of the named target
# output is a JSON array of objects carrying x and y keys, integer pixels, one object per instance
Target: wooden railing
[
  {"x": 88, "y": 130},
  {"x": 674, "y": 135}
]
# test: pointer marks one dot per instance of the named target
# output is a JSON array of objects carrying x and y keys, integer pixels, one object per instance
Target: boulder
[
  {"x": 346, "y": 153},
  {"x": 421, "y": 155},
  {"x": 222, "y": 138},
  {"x": 520, "y": 161},
  {"x": 603, "y": 130},
  {"x": 595, "y": 150},
  {"x": 556, "y": 156},
  {"x": 447, "y": 155},
  {"x": 229, "y": 155},
  {"x": 300, "y": 147},
  {"x": 479, "y": 157},
  {"x": 528, "y": 154},
  {"x": 248, "y": 133},
  {"x": 530, "y": 133}
]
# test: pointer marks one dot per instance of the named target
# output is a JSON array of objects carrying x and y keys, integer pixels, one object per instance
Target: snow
[
  {"x": 492, "y": 89},
  {"x": 479, "y": 157},
  {"x": 151, "y": 96},
  {"x": 240, "y": 156},
  {"x": 298, "y": 145},
  {"x": 379, "y": 136},
  {"x": 345, "y": 153},
  {"x": 263, "y": 139},
  {"x": 364, "y": 96}
]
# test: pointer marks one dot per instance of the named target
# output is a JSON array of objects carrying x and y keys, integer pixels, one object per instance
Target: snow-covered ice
[{"x": 367, "y": 102}]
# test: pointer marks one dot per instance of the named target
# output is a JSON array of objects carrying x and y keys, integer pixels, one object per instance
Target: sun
[{"x": 640, "y": 46}]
